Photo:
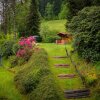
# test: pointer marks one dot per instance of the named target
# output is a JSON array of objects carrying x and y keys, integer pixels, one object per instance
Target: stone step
[
  {"x": 59, "y": 57},
  {"x": 67, "y": 76},
  {"x": 62, "y": 65}
]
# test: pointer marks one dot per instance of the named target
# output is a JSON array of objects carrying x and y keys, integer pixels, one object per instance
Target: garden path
[{"x": 71, "y": 81}]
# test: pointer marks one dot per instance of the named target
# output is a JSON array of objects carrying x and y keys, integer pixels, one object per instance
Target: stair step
[
  {"x": 78, "y": 96},
  {"x": 77, "y": 91},
  {"x": 62, "y": 65},
  {"x": 71, "y": 94},
  {"x": 59, "y": 57},
  {"x": 67, "y": 75}
]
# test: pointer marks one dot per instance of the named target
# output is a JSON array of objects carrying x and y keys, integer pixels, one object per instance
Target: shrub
[
  {"x": 28, "y": 78},
  {"x": 6, "y": 48},
  {"x": 29, "y": 81},
  {"x": 34, "y": 80},
  {"x": 48, "y": 35},
  {"x": 26, "y": 46},
  {"x": 91, "y": 79},
  {"x": 97, "y": 93},
  {"x": 86, "y": 25},
  {"x": 2, "y": 36},
  {"x": 64, "y": 11},
  {"x": 15, "y": 48},
  {"x": 13, "y": 61},
  {"x": 46, "y": 90}
]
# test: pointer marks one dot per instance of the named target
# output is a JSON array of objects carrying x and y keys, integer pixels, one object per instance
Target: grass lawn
[
  {"x": 58, "y": 25},
  {"x": 64, "y": 84},
  {"x": 7, "y": 86}
]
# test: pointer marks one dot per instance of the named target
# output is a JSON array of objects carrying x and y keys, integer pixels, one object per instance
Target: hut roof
[{"x": 66, "y": 35}]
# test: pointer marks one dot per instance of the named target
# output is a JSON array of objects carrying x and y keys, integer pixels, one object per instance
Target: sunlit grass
[
  {"x": 58, "y": 25},
  {"x": 64, "y": 84},
  {"x": 7, "y": 86}
]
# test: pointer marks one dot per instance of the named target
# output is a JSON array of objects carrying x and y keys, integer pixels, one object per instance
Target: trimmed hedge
[{"x": 33, "y": 75}]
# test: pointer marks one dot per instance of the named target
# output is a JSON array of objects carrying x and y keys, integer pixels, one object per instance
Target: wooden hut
[{"x": 65, "y": 38}]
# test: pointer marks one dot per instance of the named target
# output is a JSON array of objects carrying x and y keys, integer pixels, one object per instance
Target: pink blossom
[
  {"x": 21, "y": 52},
  {"x": 31, "y": 38},
  {"x": 21, "y": 43},
  {"x": 26, "y": 44}
]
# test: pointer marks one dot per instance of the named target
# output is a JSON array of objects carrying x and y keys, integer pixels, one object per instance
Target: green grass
[
  {"x": 7, "y": 86},
  {"x": 64, "y": 84},
  {"x": 58, "y": 25}
]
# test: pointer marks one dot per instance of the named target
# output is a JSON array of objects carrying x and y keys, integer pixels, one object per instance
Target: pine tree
[
  {"x": 57, "y": 7},
  {"x": 49, "y": 11},
  {"x": 33, "y": 22},
  {"x": 76, "y": 5}
]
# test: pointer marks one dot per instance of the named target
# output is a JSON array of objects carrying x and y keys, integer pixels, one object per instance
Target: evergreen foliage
[
  {"x": 21, "y": 16},
  {"x": 49, "y": 11},
  {"x": 56, "y": 7},
  {"x": 86, "y": 25},
  {"x": 6, "y": 48},
  {"x": 33, "y": 22},
  {"x": 77, "y": 5},
  {"x": 64, "y": 11}
]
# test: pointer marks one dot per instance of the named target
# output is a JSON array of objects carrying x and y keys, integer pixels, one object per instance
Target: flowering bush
[
  {"x": 27, "y": 42},
  {"x": 26, "y": 46},
  {"x": 21, "y": 52}
]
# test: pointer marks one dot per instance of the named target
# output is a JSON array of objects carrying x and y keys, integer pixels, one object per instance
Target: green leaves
[{"x": 87, "y": 25}]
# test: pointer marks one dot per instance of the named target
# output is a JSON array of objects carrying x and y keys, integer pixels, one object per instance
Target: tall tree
[
  {"x": 5, "y": 15},
  {"x": 76, "y": 5},
  {"x": 22, "y": 10},
  {"x": 42, "y": 6},
  {"x": 33, "y": 22},
  {"x": 57, "y": 7},
  {"x": 13, "y": 5},
  {"x": 8, "y": 15},
  {"x": 49, "y": 11}
]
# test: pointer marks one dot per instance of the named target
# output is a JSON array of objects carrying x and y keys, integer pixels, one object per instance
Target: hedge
[
  {"x": 86, "y": 27},
  {"x": 33, "y": 75}
]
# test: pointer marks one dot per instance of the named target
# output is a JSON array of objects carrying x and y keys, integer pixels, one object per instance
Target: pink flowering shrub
[
  {"x": 27, "y": 42},
  {"x": 26, "y": 47},
  {"x": 21, "y": 52}
]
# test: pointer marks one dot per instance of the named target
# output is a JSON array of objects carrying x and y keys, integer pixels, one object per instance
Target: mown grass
[
  {"x": 59, "y": 50},
  {"x": 64, "y": 84},
  {"x": 58, "y": 25}
]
